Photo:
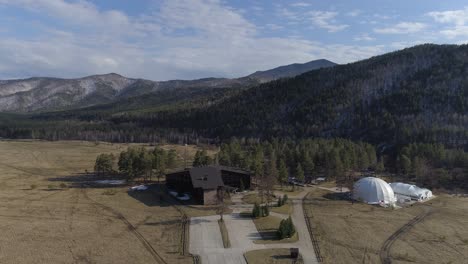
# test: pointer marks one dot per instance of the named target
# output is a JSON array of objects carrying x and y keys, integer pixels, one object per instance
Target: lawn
[
  {"x": 354, "y": 233},
  {"x": 77, "y": 225},
  {"x": 268, "y": 227},
  {"x": 288, "y": 189},
  {"x": 253, "y": 198},
  {"x": 286, "y": 208},
  {"x": 270, "y": 256}
]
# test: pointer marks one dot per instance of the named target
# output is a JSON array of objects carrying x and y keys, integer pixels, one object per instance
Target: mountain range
[
  {"x": 41, "y": 94},
  {"x": 417, "y": 94}
]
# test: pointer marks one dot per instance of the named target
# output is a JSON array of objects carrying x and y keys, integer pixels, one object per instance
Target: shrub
[
  {"x": 256, "y": 211},
  {"x": 51, "y": 186},
  {"x": 285, "y": 198},
  {"x": 33, "y": 186},
  {"x": 63, "y": 185},
  {"x": 265, "y": 211},
  {"x": 286, "y": 228}
]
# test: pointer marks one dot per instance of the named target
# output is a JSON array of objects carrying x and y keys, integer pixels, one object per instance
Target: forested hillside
[{"x": 419, "y": 94}]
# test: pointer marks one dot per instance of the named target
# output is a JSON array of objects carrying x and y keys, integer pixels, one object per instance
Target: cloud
[
  {"x": 205, "y": 16},
  {"x": 181, "y": 39},
  {"x": 401, "y": 28},
  {"x": 458, "y": 19},
  {"x": 363, "y": 37},
  {"x": 326, "y": 20},
  {"x": 274, "y": 26},
  {"x": 321, "y": 19},
  {"x": 300, "y": 4},
  {"x": 354, "y": 13}
]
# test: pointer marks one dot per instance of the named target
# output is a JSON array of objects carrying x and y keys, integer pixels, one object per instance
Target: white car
[
  {"x": 184, "y": 197},
  {"x": 139, "y": 188}
]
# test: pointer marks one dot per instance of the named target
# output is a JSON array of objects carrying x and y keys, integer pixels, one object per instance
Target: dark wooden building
[{"x": 203, "y": 182}]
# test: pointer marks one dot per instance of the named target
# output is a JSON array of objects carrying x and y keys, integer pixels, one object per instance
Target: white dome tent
[
  {"x": 409, "y": 190},
  {"x": 373, "y": 190}
]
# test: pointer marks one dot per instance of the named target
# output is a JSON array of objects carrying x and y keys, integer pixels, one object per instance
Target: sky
[{"x": 188, "y": 39}]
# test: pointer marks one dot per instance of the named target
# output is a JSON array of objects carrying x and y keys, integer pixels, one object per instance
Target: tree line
[{"x": 138, "y": 162}]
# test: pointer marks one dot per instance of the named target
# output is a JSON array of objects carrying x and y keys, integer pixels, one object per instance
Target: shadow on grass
[
  {"x": 278, "y": 257},
  {"x": 337, "y": 196},
  {"x": 91, "y": 180},
  {"x": 163, "y": 223},
  {"x": 269, "y": 235}
]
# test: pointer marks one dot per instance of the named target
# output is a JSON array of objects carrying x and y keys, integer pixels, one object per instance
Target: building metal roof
[
  {"x": 206, "y": 177},
  {"x": 220, "y": 167}
]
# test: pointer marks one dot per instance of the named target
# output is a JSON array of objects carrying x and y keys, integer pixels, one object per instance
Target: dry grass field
[
  {"x": 43, "y": 221},
  {"x": 355, "y": 233}
]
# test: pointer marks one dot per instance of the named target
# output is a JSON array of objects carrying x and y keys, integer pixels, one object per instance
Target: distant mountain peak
[
  {"x": 44, "y": 93},
  {"x": 291, "y": 70}
]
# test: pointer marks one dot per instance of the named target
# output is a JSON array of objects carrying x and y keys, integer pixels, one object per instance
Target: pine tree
[
  {"x": 286, "y": 228},
  {"x": 283, "y": 173},
  {"x": 380, "y": 167},
  {"x": 405, "y": 164},
  {"x": 256, "y": 210},
  {"x": 309, "y": 165},
  {"x": 299, "y": 173}
]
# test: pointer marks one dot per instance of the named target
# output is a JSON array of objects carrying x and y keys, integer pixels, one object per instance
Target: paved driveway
[{"x": 206, "y": 241}]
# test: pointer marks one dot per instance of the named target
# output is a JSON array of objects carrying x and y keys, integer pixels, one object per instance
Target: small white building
[
  {"x": 411, "y": 191},
  {"x": 373, "y": 190}
]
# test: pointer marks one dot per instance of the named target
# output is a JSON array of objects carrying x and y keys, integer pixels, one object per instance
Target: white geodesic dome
[
  {"x": 373, "y": 190},
  {"x": 410, "y": 190}
]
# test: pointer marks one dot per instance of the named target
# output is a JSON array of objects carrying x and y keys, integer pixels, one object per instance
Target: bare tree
[
  {"x": 222, "y": 206},
  {"x": 269, "y": 180}
]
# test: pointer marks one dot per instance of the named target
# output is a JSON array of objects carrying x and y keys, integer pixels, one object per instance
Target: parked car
[
  {"x": 183, "y": 197},
  {"x": 138, "y": 188}
]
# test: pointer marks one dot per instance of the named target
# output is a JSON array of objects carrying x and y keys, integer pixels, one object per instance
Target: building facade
[{"x": 203, "y": 183}]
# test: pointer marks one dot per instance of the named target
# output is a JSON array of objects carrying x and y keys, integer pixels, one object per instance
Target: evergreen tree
[
  {"x": 171, "y": 159},
  {"x": 309, "y": 165},
  {"x": 280, "y": 202},
  {"x": 282, "y": 173},
  {"x": 256, "y": 211},
  {"x": 104, "y": 164},
  {"x": 380, "y": 167},
  {"x": 286, "y": 228},
  {"x": 299, "y": 173},
  {"x": 405, "y": 164}
]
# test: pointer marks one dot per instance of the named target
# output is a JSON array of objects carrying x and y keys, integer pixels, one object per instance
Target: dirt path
[
  {"x": 130, "y": 227},
  {"x": 387, "y": 245}
]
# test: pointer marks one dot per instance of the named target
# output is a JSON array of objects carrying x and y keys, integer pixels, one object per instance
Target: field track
[
  {"x": 130, "y": 227},
  {"x": 385, "y": 249}
]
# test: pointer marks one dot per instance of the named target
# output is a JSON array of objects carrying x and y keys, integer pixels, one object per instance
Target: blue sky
[{"x": 185, "y": 39}]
